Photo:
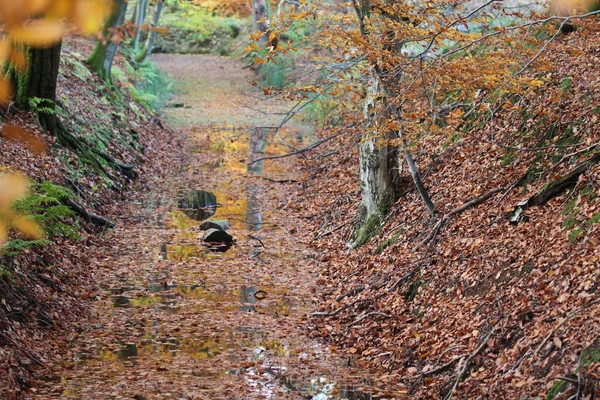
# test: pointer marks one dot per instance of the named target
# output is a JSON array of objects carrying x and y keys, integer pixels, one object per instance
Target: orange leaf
[
  {"x": 40, "y": 33},
  {"x": 16, "y": 133},
  {"x": 28, "y": 228}
]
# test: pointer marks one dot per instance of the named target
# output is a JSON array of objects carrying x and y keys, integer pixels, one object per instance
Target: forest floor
[{"x": 175, "y": 320}]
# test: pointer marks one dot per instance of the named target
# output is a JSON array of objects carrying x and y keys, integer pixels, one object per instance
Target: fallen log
[{"x": 553, "y": 189}]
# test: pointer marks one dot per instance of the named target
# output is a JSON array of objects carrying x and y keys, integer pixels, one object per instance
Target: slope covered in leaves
[
  {"x": 477, "y": 306},
  {"x": 46, "y": 286}
]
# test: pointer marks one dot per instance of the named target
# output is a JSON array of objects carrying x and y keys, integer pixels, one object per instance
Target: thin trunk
[
  {"x": 102, "y": 57},
  {"x": 152, "y": 34},
  {"x": 260, "y": 19},
  {"x": 142, "y": 5}
]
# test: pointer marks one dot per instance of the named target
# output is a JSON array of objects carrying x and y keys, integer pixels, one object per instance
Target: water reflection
[
  {"x": 198, "y": 205},
  {"x": 258, "y": 146},
  {"x": 254, "y": 220}
]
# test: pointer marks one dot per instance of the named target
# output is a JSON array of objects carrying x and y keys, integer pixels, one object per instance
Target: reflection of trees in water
[
  {"x": 253, "y": 211},
  {"x": 258, "y": 146}
]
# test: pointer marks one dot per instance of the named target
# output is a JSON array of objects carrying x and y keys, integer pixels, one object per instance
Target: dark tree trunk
[
  {"x": 35, "y": 87},
  {"x": 104, "y": 53}
]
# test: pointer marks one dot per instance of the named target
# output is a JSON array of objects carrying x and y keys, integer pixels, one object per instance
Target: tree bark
[
  {"x": 378, "y": 174},
  {"x": 260, "y": 19},
  {"x": 141, "y": 16},
  {"x": 104, "y": 53},
  {"x": 152, "y": 34},
  {"x": 35, "y": 87}
]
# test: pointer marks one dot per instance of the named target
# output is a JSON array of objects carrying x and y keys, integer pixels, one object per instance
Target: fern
[
  {"x": 44, "y": 205},
  {"x": 41, "y": 106}
]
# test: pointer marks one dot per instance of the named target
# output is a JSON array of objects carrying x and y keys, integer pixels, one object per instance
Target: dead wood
[
  {"x": 471, "y": 203},
  {"x": 367, "y": 315},
  {"x": 468, "y": 361},
  {"x": 560, "y": 185},
  {"x": 299, "y": 151},
  {"x": 339, "y": 310},
  {"x": 89, "y": 216}
]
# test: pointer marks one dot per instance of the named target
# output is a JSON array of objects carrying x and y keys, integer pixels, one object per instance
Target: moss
[
  {"x": 5, "y": 274},
  {"x": 386, "y": 243},
  {"x": 413, "y": 289},
  {"x": 570, "y": 222},
  {"x": 574, "y": 236},
  {"x": 508, "y": 158},
  {"x": 555, "y": 390},
  {"x": 594, "y": 220},
  {"x": 369, "y": 229}
]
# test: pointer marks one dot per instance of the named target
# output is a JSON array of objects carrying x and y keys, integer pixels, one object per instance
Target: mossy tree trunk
[
  {"x": 35, "y": 87},
  {"x": 104, "y": 53},
  {"x": 378, "y": 174}
]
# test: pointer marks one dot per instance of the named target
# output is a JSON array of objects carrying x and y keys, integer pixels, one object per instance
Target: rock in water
[
  {"x": 220, "y": 224},
  {"x": 217, "y": 236}
]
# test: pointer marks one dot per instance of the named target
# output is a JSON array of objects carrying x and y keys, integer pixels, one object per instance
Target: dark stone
[
  {"x": 217, "y": 236},
  {"x": 222, "y": 225}
]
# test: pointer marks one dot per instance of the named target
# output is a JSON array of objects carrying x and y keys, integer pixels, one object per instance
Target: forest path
[{"x": 178, "y": 321}]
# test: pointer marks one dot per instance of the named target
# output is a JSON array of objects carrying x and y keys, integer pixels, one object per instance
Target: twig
[
  {"x": 280, "y": 180},
  {"x": 457, "y": 210},
  {"x": 339, "y": 310},
  {"x": 329, "y": 232},
  {"x": 367, "y": 315},
  {"x": 299, "y": 151},
  {"x": 567, "y": 318},
  {"x": 468, "y": 362},
  {"x": 31, "y": 356}
]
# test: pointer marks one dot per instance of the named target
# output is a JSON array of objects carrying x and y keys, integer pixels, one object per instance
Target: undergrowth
[{"x": 44, "y": 205}]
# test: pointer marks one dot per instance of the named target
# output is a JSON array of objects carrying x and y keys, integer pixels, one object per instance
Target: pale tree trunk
[
  {"x": 260, "y": 19},
  {"x": 378, "y": 175},
  {"x": 104, "y": 53},
  {"x": 142, "y": 5},
  {"x": 152, "y": 34}
]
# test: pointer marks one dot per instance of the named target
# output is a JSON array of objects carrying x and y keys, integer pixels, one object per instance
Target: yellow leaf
[
  {"x": 89, "y": 15},
  {"x": 5, "y": 49},
  {"x": 40, "y": 33},
  {"x": 28, "y": 228},
  {"x": 16, "y": 133},
  {"x": 12, "y": 187},
  {"x": 18, "y": 60},
  {"x": 5, "y": 90},
  {"x": 12, "y": 12},
  {"x": 59, "y": 9},
  {"x": 35, "y": 6},
  {"x": 3, "y": 234}
]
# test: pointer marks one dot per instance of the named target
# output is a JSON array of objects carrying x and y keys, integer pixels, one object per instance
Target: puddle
[{"x": 197, "y": 205}]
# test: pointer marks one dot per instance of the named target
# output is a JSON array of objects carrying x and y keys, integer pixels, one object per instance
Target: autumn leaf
[{"x": 40, "y": 33}]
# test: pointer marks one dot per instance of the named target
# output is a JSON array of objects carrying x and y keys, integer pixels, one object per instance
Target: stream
[{"x": 179, "y": 318}]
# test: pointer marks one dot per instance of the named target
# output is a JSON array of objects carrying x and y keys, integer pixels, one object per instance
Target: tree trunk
[
  {"x": 104, "y": 53},
  {"x": 152, "y": 34},
  {"x": 378, "y": 175},
  {"x": 141, "y": 16},
  {"x": 260, "y": 19},
  {"x": 35, "y": 88}
]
